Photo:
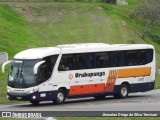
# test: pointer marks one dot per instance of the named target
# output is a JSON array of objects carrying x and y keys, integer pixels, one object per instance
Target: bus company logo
[
  {"x": 70, "y": 76},
  {"x": 6, "y": 114}
]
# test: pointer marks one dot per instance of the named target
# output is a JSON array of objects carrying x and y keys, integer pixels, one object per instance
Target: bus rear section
[{"x": 117, "y": 72}]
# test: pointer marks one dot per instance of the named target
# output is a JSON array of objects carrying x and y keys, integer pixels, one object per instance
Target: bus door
[{"x": 45, "y": 72}]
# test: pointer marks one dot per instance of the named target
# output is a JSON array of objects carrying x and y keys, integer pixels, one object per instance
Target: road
[{"x": 147, "y": 101}]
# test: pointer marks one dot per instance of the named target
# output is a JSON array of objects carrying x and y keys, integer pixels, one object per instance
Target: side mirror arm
[
  {"x": 4, "y": 64},
  {"x": 35, "y": 68}
]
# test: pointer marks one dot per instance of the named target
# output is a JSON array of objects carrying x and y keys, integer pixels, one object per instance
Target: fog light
[
  {"x": 33, "y": 97},
  {"x": 7, "y": 96}
]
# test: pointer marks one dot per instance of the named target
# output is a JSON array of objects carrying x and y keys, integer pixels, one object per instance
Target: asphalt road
[{"x": 146, "y": 101}]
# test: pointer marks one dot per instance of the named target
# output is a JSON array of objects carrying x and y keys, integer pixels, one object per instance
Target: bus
[{"x": 80, "y": 70}]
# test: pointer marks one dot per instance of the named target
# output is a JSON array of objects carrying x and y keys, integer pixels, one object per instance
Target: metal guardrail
[{"x": 3, "y": 57}]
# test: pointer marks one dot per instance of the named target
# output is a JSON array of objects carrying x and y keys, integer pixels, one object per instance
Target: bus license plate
[{"x": 19, "y": 98}]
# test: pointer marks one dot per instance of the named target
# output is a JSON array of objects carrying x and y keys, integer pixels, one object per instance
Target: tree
[{"x": 149, "y": 12}]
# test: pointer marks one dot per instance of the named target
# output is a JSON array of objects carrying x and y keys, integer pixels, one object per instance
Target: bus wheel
[
  {"x": 60, "y": 97},
  {"x": 34, "y": 102},
  {"x": 123, "y": 91}
]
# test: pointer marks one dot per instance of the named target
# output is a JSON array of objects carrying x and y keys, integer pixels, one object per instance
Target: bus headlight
[
  {"x": 31, "y": 91},
  {"x": 34, "y": 97},
  {"x": 8, "y": 90}
]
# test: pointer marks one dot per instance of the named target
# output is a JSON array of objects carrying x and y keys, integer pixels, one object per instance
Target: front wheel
[{"x": 60, "y": 97}]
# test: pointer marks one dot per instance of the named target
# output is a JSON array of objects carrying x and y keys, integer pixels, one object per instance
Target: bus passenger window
[
  {"x": 142, "y": 57},
  {"x": 66, "y": 63},
  {"x": 132, "y": 58},
  {"x": 149, "y": 55},
  {"x": 102, "y": 60},
  {"x": 122, "y": 58},
  {"x": 115, "y": 58},
  {"x": 84, "y": 61},
  {"x": 80, "y": 61}
]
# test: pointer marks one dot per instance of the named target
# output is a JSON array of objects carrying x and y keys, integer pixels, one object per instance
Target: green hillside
[{"x": 28, "y": 25}]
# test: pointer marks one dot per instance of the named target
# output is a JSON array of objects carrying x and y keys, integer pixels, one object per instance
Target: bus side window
[
  {"x": 66, "y": 62},
  {"x": 80, "y": 61},
  {"x": 149, "y": 55},
  {"x": 102, "y": 59},
  {"x": 142, "y": 57},
  {"x": 115, "y": 59},
  {"x": 121, "y": 58},
  {"x": 84, "y": 61},
  {"x": 132, "y": 58},
  {"x": 42, "y": 74},
  {"x": 47, "y": 68}
]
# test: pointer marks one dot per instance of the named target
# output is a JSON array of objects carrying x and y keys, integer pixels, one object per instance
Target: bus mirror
[
  {"x": 4, "y": 64},
  {"x": 36, "y": 66}
]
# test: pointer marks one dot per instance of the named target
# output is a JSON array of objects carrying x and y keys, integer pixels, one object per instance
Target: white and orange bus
[{"x": 80, "y": 70}]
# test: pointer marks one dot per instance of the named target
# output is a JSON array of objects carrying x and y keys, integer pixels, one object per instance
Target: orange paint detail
[
  {"x": 70, "y": 76},
  {"x": 133, "y": 72},
  {"x": 94, "y": 88},
  {"x": 148, "y": 71},
  {"x": 111, "y": 81},
  {"x": 84, "y": 89},
  {"x": 79, "y": 89}
]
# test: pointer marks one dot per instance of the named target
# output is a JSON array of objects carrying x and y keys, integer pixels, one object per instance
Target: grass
[{"x": 28, "y": 25}]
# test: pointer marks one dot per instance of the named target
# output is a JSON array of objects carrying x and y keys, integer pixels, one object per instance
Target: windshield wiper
[
  {"x": 16, "y": 75},
  {"x": 21, "y": 79}
]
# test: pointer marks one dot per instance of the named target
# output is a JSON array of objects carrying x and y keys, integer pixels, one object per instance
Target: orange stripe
[
  {"x": 84, "y": 89},
  {"x": 133, "y": 72},
  {"x": 94, "y": 88}
]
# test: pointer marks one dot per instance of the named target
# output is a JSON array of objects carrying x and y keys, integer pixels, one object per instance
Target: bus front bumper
[{"x": 38, "y": 96}]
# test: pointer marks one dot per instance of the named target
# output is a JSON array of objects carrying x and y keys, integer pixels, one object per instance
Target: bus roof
[
  {"x": 97, "y": 47},
  {"x": 38, "y": 53}
]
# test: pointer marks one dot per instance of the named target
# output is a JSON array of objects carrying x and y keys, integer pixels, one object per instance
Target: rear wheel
[
  {"x": 60, "y": 97},
  {"x": 123, "y": 93}
]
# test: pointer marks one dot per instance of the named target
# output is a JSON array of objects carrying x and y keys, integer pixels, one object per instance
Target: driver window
[{"x": 46, "y": 68}]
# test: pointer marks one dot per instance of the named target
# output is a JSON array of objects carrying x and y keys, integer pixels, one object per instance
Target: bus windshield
[{"x": 21, "y": 74}]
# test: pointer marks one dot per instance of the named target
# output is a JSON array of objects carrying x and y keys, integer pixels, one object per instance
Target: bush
[{"x": 155, "y": 37}]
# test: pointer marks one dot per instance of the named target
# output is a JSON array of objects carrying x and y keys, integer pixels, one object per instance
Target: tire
[
  {"x": 123, "y": 93},
  {"x": 60, "y": 97},
  {"x": 34, "y": 102}
]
